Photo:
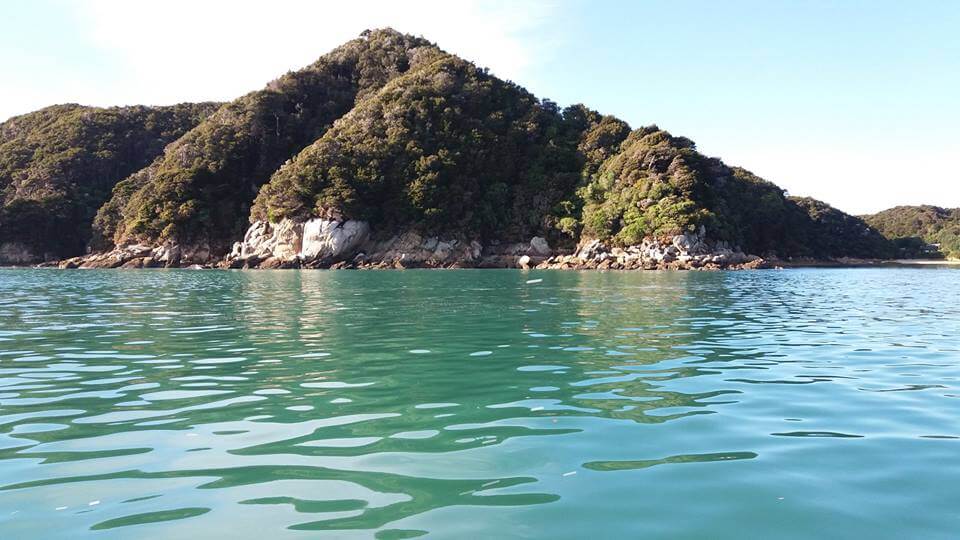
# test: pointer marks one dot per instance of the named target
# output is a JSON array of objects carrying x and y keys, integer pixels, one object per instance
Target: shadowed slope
[{"x": 58, "y": 165}]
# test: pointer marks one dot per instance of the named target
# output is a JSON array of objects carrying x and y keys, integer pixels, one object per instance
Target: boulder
[
  {"x": 539, "y": 246},
  {"x": 107, "y": 260},
  {"x": 443, "y": 251},
  {"x": 133, "y": 263},
  {"x": 256, "y": 240},
  {"x": 475, "y": 249},
  {"x": 271, "y": 263},
  {"x": 71, "y": 263},
  {"x": 685, "y": 243},
  {"x": 588, "y": 249},
  {"x": 194, "y": 253},
  {"x": 168, "y": 253},
  {"x": 286, "y": 239},
  {"x": 329, "y": 239}
]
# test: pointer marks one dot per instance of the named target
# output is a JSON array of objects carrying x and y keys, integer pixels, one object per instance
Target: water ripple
[{"x": 479, "y": 404}]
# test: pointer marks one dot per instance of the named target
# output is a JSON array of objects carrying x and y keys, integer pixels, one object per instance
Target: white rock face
[
  {"x": 327, "y": 241},
  {"x": 287, "y": 239},
  {"x": 324, "y": 238},
  {"x": 313, "y": 239},
  {"x": 257, "y": 241}
]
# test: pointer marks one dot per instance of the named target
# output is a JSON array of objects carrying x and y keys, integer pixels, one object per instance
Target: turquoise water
[{"x": 479, "y": 404}]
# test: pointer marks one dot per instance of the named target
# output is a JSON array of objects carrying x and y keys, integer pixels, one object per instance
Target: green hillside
[
  {"x": 920, "y": 231},
  {"x": 201, "y": 188},
  {"x": 391, "y": 130},
  {"x": 58, "y": 165}
]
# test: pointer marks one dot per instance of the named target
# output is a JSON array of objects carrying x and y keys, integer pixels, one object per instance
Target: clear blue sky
[{"x": 852, "y": 102}]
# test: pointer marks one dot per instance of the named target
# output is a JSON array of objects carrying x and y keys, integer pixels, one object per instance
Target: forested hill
[
  {"x": 920, "y": 231},
  {"x": 202, "y": 187},
  {"x": 390, "y": 130},
  {"x": 59, "y": 164},
  {"x": 658, "y": 184}
]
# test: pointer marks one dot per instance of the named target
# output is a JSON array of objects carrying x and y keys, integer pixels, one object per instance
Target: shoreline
[
  {"x": 867, "y": 263},
  {"x": 764, "y": 265},
  {"x": 928, "y": 262},
  {"x": 334, "y": 245}
]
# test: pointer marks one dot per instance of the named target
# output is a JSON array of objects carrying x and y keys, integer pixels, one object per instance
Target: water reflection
[{"x": 407, "y": 402}]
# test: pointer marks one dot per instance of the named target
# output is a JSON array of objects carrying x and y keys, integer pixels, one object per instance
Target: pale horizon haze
[{"x": 853, "y": 103}]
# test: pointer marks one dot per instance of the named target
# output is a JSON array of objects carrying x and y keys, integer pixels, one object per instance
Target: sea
[{"x": 799, "y": 403}]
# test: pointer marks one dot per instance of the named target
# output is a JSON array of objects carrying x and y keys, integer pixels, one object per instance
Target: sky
[{"x": 856, "y": 103}]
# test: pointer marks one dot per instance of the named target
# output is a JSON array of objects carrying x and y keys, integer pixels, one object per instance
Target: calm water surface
[{"x": 479, "y": 404}]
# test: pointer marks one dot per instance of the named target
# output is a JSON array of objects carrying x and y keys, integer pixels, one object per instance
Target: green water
[{"x": 479, "y": 404}]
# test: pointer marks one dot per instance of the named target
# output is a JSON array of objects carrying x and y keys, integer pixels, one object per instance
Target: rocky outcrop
[
  {"x": 411, "y": 250},
  {"x": 329, "y": 239},
  {"x": 15, "y": 253},
  {"x": 679, "y": 252},
  {"x": 516, "y": 255},
  {"x": 330, "y": 243},
  {"x": 323, "y": 242},
  {"x": 143, "y": 256},
  {"x": 333, "y": 243},
  {"x": 296, "y": 243}
]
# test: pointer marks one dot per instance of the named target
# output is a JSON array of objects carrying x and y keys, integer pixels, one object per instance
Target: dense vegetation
[
  {"x": 201, "y": 188},
  {"x": 920, "y": 231},
  {"x": 447, "y": 148},
  {"x": 659, "y": 185},
  {"x": 58, "y": 165},
  {"x": 816, "y": 229},
  {"x": 390, "y": 129}
]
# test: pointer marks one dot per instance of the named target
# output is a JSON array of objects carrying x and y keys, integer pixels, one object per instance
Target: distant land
[
  {"x": 920, "y": 231},
  {"x": 390, "y": 152}
]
